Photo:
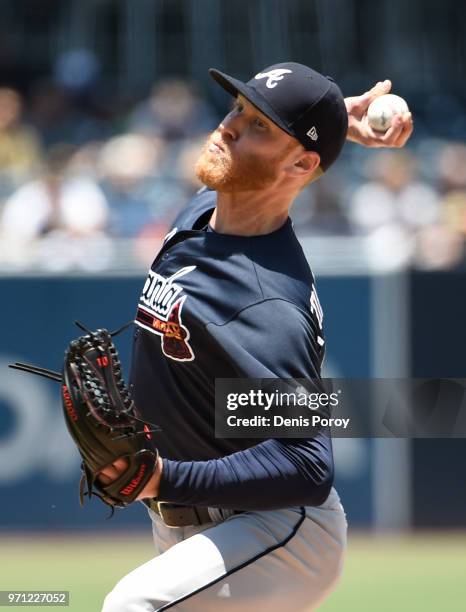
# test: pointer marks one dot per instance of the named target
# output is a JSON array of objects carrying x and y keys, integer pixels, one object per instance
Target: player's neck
[{"x": 249, "y": 213}]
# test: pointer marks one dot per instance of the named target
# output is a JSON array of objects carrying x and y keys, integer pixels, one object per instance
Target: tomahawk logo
[
  {"x": 273, "y": 76},
  {"x": 159, "y": 312}
]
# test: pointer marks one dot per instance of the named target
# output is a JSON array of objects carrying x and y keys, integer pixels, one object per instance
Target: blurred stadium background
[{"x": 103, "y": 106}]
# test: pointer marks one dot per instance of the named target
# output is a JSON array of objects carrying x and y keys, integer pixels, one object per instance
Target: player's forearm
[{"x": 283, "y": 475}]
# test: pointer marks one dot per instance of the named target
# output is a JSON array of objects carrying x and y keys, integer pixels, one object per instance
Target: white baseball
[{"x": 381, "y": 111}]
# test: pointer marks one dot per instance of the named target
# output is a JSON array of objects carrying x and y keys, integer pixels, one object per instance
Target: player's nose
[{"x": 229, "y": 128}]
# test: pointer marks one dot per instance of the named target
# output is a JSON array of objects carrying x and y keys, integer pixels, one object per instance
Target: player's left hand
[
  {"x": 113, "y": 471},
  {"x": 361, "y": 132},
  {"x": 103, "y": 421}
]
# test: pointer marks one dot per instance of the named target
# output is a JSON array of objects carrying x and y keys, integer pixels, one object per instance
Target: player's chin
[{"x": 210, "y": 171}]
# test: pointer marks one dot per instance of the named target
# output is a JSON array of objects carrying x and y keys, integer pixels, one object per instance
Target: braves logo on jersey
[{"x": 159, "y": 312}]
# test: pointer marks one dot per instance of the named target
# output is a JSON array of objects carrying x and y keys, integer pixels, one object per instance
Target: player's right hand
[{"x": 361, "y": 132}]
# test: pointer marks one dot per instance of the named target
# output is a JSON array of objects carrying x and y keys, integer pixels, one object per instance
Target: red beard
[{"x": 224, "y": 172}]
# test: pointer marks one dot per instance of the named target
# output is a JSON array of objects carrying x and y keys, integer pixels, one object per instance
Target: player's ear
[{"x": 306, "y": 164}]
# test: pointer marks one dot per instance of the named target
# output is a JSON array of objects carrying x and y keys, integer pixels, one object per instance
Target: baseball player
[{"x": 241, "y": 523}]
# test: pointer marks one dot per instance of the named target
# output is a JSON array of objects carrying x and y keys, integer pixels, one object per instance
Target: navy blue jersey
[{"x": 223, "y": 306}]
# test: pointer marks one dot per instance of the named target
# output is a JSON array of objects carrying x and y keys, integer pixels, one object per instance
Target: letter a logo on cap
[{"x": 273, "y": 76}]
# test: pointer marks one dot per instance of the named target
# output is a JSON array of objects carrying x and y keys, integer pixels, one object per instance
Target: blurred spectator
[
  {"x": 19, "y": 145},
  {"x": 441, "y": 246},
  {"x": 173, "y": 111},
  {"x": 438, "y": 247},
  {"x": 140, "y": 195},
  {"x": 57, "y": 119},
  {"x": 452, "y": 183},
  {"x": 454, "y": 211},
  {"x": 85, "y": 160},
  {"x": 60, "y": 209},
  {"x": 452, "y": 168},
  {"x": 146, "y": 194},
  {"x": 318, "y": 210},
  {"x": 393, "y": 196},
  {"x": 183, "y": 169},
  {"x": 423, "y": 228}
]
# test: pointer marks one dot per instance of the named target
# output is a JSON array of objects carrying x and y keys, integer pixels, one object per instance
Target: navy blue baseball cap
[{"x": 302, "y": 102}]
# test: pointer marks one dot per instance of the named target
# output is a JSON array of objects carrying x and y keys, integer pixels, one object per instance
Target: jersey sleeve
[{"x": 272, "y": 339}]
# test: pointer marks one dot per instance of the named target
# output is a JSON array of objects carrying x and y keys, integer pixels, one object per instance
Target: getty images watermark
[
  {"x": 303, "y": 408},
  {"x": 320, "y": 403}
]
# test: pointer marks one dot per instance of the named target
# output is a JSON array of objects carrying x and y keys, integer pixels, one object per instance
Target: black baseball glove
[{"x": 102, "y": 418}]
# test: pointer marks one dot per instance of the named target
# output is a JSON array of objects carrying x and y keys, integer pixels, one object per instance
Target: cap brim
[{"x": 234, "y": 87}]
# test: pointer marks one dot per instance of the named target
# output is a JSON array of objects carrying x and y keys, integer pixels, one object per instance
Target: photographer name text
[{"x": 279, "y": 421}]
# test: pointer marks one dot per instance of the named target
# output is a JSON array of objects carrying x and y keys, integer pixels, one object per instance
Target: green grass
[
  {"x": 87, "y": 565},
  {"x": 423, "y": 573}
]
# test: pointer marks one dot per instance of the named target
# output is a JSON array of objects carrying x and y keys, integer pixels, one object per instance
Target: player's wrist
[
  {"x": 152, "y": 487},
  {"x": 354, "y": 130}
]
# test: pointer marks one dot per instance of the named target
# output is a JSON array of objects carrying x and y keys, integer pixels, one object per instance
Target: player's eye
[
  {"x": 259, "y": 123},
  {"x": 237, "y": 107}
]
